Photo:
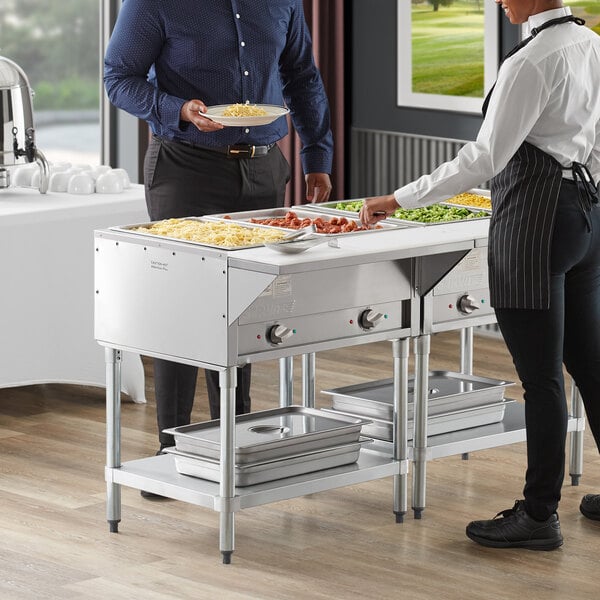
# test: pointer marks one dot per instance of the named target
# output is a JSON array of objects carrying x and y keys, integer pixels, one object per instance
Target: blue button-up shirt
[{"x": 165, "y": 52}]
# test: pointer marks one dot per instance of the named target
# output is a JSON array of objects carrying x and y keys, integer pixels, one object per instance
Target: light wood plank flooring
[{"x": 342, "y": 544}]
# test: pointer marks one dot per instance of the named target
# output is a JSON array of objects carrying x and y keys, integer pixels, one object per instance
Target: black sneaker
[
  {"x": 151, "y": 495},
  {"x": 516, "y": 529},
  {"x": 590, "y": 506}
]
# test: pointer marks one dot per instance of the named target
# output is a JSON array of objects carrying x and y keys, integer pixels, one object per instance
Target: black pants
[
  {"x": 182, "y": 181},
  {"x": 541, "y": 340}
]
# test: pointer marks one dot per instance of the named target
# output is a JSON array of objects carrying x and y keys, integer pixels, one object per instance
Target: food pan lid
[{"x": 272, "y": 428}]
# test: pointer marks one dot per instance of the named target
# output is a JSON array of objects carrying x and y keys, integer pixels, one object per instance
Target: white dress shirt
[{"x": 547, "y": 94}]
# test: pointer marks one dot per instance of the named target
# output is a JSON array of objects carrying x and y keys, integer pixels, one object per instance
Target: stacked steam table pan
[
  {"x": 270, "y": 444},
  {"x": 456, "y": 401}
]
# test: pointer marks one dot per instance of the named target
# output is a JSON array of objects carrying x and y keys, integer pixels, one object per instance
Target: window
[
  {"x": 57, "y": 44},
  {"x": 447, "y": 53}
]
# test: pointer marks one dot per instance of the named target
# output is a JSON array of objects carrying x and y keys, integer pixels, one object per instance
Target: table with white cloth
[{"x": 47, "y": 287}]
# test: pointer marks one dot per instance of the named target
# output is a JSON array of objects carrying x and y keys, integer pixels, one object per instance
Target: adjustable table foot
[{"x": 113, "y": 526}]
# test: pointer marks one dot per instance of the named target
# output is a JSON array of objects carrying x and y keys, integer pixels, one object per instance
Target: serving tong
[{"x": 297, "y": 241}]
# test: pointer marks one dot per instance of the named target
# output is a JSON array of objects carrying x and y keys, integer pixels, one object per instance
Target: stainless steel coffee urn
[{"x": 17, "y": 134}]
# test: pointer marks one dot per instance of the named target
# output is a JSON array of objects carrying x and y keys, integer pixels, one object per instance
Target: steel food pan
[
  {"x": 146, "y": 225},
  {"x": 341, "y": 207},
  {"x": 441, "y": 423},
  {"x": 423, "y": 223},
  {"x": 261, "y": 472},
  {"x": 270, "y": 434},
  {"x": 302, "y": 213},
  {"x": 447, "y": 391}
]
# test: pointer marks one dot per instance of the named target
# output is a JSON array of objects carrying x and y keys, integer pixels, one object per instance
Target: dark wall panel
[{"x": 374, "y": 66}]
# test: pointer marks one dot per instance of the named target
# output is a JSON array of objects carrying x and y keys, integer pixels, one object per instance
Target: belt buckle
[{"x": 241, "y": 152}]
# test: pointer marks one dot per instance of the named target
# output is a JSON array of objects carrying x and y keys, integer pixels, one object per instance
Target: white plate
[{"x": 215, "y": 113}]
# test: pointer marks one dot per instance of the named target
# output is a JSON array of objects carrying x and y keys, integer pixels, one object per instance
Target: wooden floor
[{"x": 343, "y": 544}]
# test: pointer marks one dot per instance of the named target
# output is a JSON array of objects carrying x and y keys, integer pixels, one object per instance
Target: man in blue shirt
[{"x": 166, "y": 62}]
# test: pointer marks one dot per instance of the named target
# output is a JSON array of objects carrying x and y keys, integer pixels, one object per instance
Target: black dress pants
[
  {"x": 185, "y": 181},
  {"x": 540, "y": 341}
]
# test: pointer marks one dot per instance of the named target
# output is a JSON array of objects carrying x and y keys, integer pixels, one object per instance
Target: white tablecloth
[{"x": 47, "y": 286}]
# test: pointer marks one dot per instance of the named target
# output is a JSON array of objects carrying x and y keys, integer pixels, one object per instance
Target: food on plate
[
  {"x": 470, "y": 199},
  {"x": 230, "y": 235},
  {"x": 434, "y": 213},
  {"x": 322, "y": 224},
  {"x": 244, "y": 110}
]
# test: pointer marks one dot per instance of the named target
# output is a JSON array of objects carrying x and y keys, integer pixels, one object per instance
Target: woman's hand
[
  {"x": 192, "y": 112},
  {"x": 376, "y": 209}
]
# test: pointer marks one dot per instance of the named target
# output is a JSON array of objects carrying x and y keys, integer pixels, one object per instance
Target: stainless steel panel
[
  {"x": 323, "y": 305},
  {"x": 467, "y": 280},
  {"x": 471, "y": 272},
  {"x": 261, "y": 472},
  {"x": 270, "y": 434},
  {"x": 448, "y": 391},
  {"x": 438, "y": 424},
  {"x": 168, "y": 299}
]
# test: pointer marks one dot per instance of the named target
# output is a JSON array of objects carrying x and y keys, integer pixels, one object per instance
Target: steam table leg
[
  {"x": 286, "y": 381},
  {"x": 422, "y": 347},
  {"x": 113, "y": 435},
  {"x": 227, "y": 384},
  {"x": 466, "y": 359},
  {"x": 308, "y": 380},
  {"x": 576, "y": 439},
  {"x": 401, "y": 350}
]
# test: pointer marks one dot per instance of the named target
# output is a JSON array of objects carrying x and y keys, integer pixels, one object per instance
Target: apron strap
[{"x": 587, "y": 190}]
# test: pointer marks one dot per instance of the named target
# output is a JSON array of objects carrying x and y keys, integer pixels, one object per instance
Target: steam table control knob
[
  {"x": 279, "y": 333},
  {"x": 369, "y": 318},
  {"x": 467, "y": 304}
]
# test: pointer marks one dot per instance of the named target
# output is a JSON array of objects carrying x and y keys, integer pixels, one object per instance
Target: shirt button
[
  {"x": 247, "y": 130},
  {"x": 237, "y": 15},
  {"x": 246, "y": 73},
  {"x": 243, "y": 44}
]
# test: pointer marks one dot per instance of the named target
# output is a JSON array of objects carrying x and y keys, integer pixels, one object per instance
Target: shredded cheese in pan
[
  {"x": 244, "y": 110},
  {"x": 218, "y": 233}
]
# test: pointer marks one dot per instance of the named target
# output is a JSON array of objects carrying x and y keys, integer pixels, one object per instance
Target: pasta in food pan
[{"x": 213, "y": 233}]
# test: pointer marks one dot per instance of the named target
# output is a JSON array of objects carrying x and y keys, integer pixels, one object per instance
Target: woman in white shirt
[{"x": 539, "y": 144}]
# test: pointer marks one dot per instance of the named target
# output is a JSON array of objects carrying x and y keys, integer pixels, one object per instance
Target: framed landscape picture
[{"x": 447, "y": 53}]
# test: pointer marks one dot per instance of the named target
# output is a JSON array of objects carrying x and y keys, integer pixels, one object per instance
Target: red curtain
[{"x": 326, "y": 23}]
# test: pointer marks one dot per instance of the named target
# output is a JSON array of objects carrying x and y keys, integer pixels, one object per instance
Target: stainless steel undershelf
[
  {"x": 158, "y": 474},
  {"x": 509, "y": 431}
]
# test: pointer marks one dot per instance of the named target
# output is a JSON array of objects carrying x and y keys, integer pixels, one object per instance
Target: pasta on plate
[{"x": 244, "y": 110}]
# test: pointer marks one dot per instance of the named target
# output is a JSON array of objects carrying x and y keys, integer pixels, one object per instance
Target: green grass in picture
[
  {"x": 588, "y": 10},
  {"x": 447, "y": 50}
]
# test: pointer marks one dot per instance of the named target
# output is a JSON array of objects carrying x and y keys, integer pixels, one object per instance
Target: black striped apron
[{"x": 524, "y": 199}]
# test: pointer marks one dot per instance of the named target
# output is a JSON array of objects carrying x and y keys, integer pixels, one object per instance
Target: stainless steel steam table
[{"x": 219, "y": 309}]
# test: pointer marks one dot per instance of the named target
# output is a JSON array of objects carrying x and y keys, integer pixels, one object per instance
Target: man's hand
[
  {"x": 192, "y": 111},
  {"x": 318, "y": 187}
]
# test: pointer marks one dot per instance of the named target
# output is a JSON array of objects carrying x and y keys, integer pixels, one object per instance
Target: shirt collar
[{"x": 540, "y": 18}]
